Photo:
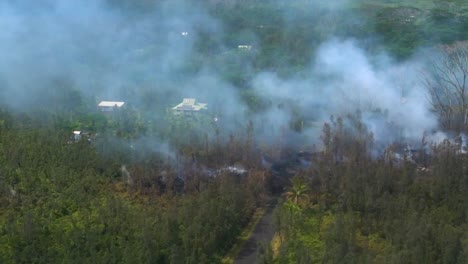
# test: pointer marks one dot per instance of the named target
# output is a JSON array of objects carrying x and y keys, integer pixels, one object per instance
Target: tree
[
  {"x": 447, "y": 86},
  {"x": 297, "y": 193}
]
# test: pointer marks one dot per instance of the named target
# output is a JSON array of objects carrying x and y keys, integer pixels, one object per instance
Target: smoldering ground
[{"x": 108, "y": 51}]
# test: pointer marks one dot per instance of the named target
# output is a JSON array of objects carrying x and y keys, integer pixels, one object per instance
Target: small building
[
  {"x": 77, "y": 135},
  {"x": 245, "y": 47},
  {"x": 108, "y": 106},
  {"x": 188, "y": 106}
]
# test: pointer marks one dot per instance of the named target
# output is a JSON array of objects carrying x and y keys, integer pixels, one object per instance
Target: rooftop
[
  {"x": 189, "y": 104},
  {"x": 110, "y": 104},
  {"x": 244, "y": 47}
]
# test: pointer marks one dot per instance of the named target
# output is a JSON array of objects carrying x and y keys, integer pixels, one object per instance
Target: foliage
[
  {"x": 124, "y": 197},
  {"x": 372, "y": 211},
  {"x": 297, "y": 193},
  {"x": 65, "y": 202}
]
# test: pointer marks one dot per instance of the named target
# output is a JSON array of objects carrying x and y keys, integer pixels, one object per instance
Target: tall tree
[{"x": 447, "y": 86}]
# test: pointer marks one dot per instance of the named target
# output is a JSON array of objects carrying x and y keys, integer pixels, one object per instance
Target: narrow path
[{"x": 262, "y": 234}]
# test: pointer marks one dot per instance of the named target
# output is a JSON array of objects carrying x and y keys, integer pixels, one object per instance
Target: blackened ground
[{"x": 262, "y": 234}]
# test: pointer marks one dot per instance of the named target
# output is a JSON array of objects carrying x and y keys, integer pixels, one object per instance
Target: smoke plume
[{"x": 111, "y": 52}]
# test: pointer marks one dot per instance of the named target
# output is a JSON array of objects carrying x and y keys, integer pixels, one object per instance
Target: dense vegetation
[
  {"x": 156, "y": 188},
  {"x": 70, "y": 202},
  {"x": 374, "y": 211}
]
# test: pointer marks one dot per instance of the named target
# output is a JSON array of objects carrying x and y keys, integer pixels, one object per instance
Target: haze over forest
[{"x": 350, "y": 117}]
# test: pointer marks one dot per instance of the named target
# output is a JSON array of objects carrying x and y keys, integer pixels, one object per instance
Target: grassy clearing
[{"x": 243, "y": 237}]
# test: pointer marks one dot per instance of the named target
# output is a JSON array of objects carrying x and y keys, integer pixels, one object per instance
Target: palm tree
[{"x": 297, "y": 192}]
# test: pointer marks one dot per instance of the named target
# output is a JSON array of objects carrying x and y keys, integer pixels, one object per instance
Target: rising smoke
[
  {"x": 104, "y": 50},
  {"x": 99, "y": 48},
  {"x": 343, "y": 79}
]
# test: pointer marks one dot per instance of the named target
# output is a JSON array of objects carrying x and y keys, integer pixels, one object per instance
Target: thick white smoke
[
  {"x": 343, "y": 79},
  {"x": 100, "y": 49},
  {"x": 114, "y": 54}
]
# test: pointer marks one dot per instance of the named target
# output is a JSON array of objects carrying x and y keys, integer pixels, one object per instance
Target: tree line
[
  {"x": 70, "y": 202},
  {"x": 365, "y": 210}
]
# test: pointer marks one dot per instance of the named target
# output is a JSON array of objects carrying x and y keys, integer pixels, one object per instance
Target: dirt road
[{"x": 262, "y": 234}]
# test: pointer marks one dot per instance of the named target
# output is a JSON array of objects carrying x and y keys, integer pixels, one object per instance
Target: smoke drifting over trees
[
  {"x": 342, "y": 79},
  {"x": 152, "y": 54},
  {"x": 100, "y": 49},
  {"x": 340, "y": 100}
]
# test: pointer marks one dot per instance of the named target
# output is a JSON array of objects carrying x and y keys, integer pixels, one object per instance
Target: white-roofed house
[
  {"x": 188, "y": 106},
  {"x": 108, "y": 106}
]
